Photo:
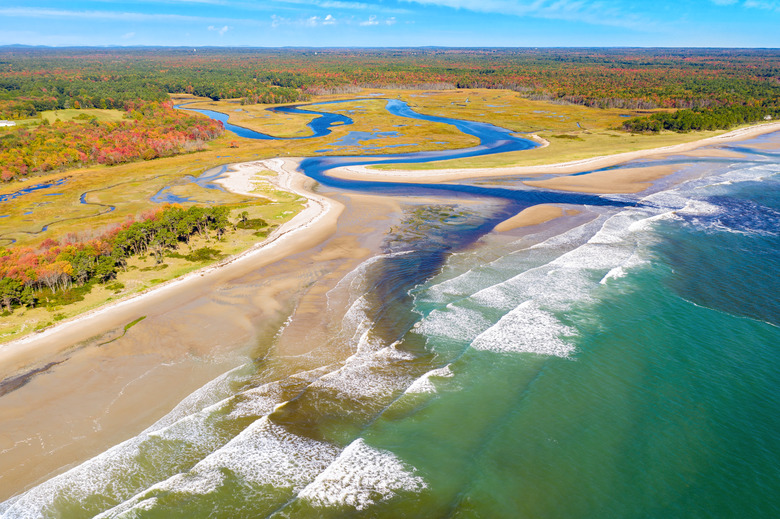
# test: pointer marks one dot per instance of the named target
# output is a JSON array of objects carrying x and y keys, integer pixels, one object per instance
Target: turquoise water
[{"x": 622, "y": 365}]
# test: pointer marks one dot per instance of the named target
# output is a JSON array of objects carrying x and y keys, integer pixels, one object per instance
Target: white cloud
[
  {"x": 342, "y": 5},
  {"x": 34, "y": 12},
  {"x": 769, "y": 6},
  {"x": 390, "y": 21},
  {"x": 128, "y": 36},
  {"x": 345, "y": 5},
  {"x": 311, "y": 21},
  {"x": 220, "y": 30},
  {"x": 599, "y": 12},
  {"x": 371, "y": 21}
]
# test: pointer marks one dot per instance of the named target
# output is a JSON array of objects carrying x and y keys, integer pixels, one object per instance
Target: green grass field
[{"x": 73, "y": 115}]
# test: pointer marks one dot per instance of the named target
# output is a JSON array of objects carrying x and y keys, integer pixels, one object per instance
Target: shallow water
[
  {"x": 622, "y": 363},
  {"x": 204, "y": 180},
  {"x": 31, "y": 189}
]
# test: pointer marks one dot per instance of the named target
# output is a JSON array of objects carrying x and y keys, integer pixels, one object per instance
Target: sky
[{"x": 392, "y": 23}]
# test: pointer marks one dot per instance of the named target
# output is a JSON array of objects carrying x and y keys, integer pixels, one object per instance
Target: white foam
[
  {"x": 572, "y": 276},
  {"x": 424, "y": 384},
  {"x": 453, "y": 322},
  {"x": 191, "y": 434},
  {"x": 366, "y": 376},
  {"x": 361, "y": 477},
  {"x": 745, "y": 174},
  {"x": 634, "y": 261},
  {"x": 259, "y": 401},
  {"x": 392, "y": 353},
  {"x": 267, "y": 454},
  {"x": 573, "y": 236},
  {"x": 527, "y": 329},
  {"x": 699, "y": 208},
  {"x": 355, "y": 324},
  {"x": 121, "y": 513},
  {"x": 263, "y": 454},
  {"x": 505, "y": 267}
]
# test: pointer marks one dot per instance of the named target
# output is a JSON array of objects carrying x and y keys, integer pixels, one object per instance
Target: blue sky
[{"x": 385, "y": 23}]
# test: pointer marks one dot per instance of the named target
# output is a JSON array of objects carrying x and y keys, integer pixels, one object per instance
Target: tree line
[
  {"x": 32, "y": 80},
  {"x": 702, "y": 119},
  {"x": 149, "y": 131},
  {"x": 54, "y": 266}
]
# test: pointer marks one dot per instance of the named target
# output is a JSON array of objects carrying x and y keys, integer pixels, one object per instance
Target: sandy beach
[
  {"x": 87, "y": 397},
  {"x": 314, "y": 223},
  {"x": 75, "y": 398},
  {"x": 577, "y": 166}
]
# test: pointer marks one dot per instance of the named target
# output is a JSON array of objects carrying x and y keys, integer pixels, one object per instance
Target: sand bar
[
  {"x": 714, "y": 153},
  {"x": 533, "y": 215},
  {"x": 576, "y": 166},
  {"x": 626, "y": 180}
]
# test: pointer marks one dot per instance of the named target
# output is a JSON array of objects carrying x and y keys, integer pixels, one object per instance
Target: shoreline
[
  {"x": 76, "y": 398},
  {"x": 63, "y": 389},
  {"x": 316, "y": 220},
  {"x": 237, "y": 180},
  {"x": 575, "y": 166}
]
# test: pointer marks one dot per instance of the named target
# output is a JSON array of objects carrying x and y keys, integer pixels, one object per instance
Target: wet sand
[
  {"x": 628, "y": 180},
  {"x": 95, "y": 396},
  {"x": 533, "y": 215}
]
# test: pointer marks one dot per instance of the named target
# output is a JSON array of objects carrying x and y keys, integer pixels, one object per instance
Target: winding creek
[
  {"x": 425, "y": 255},
  {"x": 493, "y": 140}
]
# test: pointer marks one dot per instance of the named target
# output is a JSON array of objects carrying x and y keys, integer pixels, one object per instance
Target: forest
[
  {"x": 60, "y": 264},
  {"x": 719, "y": 118},
  {"x": 150, "y": 130},
  {"x": 35, "y": 79}
]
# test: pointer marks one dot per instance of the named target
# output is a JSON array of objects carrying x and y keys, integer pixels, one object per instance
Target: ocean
[{"x": 623, "y": 362}]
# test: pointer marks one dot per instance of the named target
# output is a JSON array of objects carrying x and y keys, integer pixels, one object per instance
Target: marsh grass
[{"x": 575, "y": 132}]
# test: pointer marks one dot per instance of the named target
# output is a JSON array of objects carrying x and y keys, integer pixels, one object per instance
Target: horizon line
[{"x": 386, "y": 47}]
